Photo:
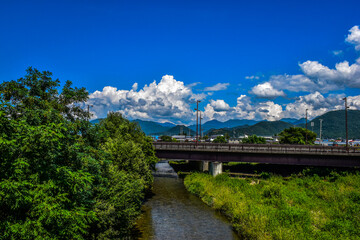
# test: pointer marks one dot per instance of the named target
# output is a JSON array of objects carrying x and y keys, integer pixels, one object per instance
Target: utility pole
[
  {"x": 88, "y": 110},
  {"x": 200, "y": 125},
  {"x": 197, "y": 120},
  {"x": 306, "y": 125},
  {"x": 320, "y": 130},
  {"x": 346, "y": 122}
]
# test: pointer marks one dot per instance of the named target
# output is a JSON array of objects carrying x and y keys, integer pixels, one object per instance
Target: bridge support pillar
[
  {"x": 204, "y": 166},
  {"x": 215, "y": 168}
]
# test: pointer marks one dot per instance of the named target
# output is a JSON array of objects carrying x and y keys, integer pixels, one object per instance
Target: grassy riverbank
[{"x": 303, "y": 206}]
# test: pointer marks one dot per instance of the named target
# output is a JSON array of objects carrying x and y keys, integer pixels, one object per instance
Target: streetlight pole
[{"x": 346, "y": 122}]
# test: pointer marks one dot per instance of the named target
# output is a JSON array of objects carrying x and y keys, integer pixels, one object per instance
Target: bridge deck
[
  {"x": 261, "y": 153},
  {"x": 259, "y": 148}
]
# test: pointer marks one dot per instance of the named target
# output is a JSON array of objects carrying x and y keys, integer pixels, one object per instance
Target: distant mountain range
[
  {"x": 264, "y": 128},
  {"x": 333, "y": 126},
  {"x": 215, "y": 124},
  {"x": 150, "y": 127},
  {"x": 177, "y": 130}
]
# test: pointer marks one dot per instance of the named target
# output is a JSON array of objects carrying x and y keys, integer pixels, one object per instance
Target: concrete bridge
[{"x": 211, "y": 155}]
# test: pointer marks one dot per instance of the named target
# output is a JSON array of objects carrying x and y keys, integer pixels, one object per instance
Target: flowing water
[{"x": 173, "y": 213}]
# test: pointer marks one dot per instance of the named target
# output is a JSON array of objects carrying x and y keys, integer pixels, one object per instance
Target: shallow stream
[{"x": 173, "y": 213}]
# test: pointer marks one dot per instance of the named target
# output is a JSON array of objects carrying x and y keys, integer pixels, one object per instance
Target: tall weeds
[{"x": 299, "y": 207}]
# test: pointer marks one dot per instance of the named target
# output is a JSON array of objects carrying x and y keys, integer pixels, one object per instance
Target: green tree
[
  {"x": 254, "y": 139},
  {"x": 47, "y": 172},
  {"x": 220, "y": 139},
  {"x": 60, "y": 176},
  {"x": 297, "y": 135},
  {"x": 166, "y": 138}
]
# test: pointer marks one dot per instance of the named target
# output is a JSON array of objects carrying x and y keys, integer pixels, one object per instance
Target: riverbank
[{"x": 302, "y": 206}]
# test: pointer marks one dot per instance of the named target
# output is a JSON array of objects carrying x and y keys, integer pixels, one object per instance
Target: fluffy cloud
[
  {"x": 269, "y": 111},
  {"x": 217, "y": 87},
  {"x": 219, "y": 105},
  {"x": 318, "y": 77},
  {"x": 171, "y": 100},
  {"x": 343, "y": 74},
  {"x": 168, "y": 100},
  {"x": 354, "y": 37},
  {"x": 266, "y": 90},
  {"x": 317, "y": 104},
  {"x": 293, "y": 83},
  {"x": 244, "y": 109}
]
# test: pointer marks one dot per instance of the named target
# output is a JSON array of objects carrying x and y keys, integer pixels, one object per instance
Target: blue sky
[{"x": 252, "y": 60}]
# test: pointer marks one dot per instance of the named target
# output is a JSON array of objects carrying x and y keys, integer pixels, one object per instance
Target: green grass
[{"x": 304, "y": 206}]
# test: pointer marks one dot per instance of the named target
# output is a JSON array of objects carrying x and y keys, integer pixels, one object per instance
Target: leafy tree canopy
[
  {"x": 297, "y": 135},
  {"x": 166, "y": 138},
  {"x": 220, "y": 139},
  {"x": 254, "y": 140},
  {"x": 60, "y": 176}
]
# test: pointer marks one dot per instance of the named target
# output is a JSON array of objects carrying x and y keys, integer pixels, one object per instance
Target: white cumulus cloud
[
  {"x": 219, "y": 105},
  {"x": 317, "y": 104},
  {"x": 266, "y": 90},
  {"x": 245, "y": 109},
  {"x": 318, "y": 77},
  {"x": 354, "y": 37},
  {"x": 168, "y": 100}
]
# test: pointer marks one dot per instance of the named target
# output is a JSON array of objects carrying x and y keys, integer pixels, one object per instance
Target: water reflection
[{"x": 173, "y": 213}]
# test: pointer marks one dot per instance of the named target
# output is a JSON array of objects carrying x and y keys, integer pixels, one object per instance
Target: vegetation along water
[
  {"x": 303, "y": 206},
  {"x": 60, "y": 176}
]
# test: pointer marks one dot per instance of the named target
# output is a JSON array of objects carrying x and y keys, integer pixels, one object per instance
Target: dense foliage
[
  {"x": 297, "y": 135},
  {"x": 301, "y": 207},
  {"x": 254, "y": 140},
  {"x": 220, "y": 139},
  {"x": 60, "y": 176},
  {"x": 166, "y": 138}
]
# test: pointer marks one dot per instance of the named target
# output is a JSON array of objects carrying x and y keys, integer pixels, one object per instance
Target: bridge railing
[{"x": 265, "y": 148}]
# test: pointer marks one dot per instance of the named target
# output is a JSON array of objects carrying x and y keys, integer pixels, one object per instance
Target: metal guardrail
[{"x": 258, "y": 148}]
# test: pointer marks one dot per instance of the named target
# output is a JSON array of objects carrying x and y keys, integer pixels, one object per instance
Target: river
[{"x": 173, "y": 213}]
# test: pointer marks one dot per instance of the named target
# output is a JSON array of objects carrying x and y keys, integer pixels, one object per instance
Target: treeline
[{"x": 60, "y": 176}]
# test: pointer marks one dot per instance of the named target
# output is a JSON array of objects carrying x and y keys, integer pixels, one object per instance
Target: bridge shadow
[
  {"x": 263, "y": 170},
  {"x": 284, "y": 170}
]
